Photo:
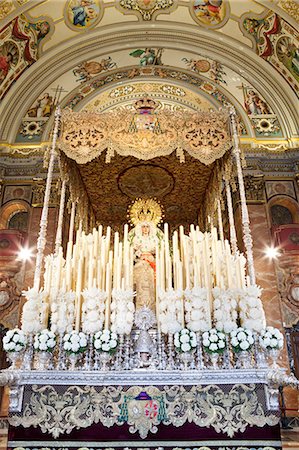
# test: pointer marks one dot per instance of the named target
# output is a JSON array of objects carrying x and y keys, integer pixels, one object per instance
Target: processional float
[{"x": 145, "y": 305}]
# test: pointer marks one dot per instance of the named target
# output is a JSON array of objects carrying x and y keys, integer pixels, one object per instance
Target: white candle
[
  {"x": 78, "y": 295},
  {"x": 108, "y": 293}
]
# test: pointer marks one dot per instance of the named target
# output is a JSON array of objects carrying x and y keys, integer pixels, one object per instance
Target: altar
[{"x": 148, "y": 334}]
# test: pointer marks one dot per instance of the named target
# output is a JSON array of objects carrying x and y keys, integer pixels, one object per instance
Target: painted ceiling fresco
[{"x": 178, "y": 78}]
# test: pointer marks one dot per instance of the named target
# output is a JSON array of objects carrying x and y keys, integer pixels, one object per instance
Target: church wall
[{"x": 278, "y": 277}]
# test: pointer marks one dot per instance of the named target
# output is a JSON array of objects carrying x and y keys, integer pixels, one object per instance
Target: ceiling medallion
[
  {"x": 146, "y": 8},
  {"x": 144, "y": 133}
]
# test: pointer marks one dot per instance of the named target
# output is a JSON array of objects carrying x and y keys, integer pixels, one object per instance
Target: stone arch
[
  {"x": 11, "y": 208},
  {"x": 113, "y": 38},
  {"x": 286, "y": 202}
]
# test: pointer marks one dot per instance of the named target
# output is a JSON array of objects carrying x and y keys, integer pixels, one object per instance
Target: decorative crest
[{"x": 145, "y": 210}]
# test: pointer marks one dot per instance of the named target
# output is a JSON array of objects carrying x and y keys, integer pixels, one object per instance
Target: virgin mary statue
[{"x": 145, "y": 214}]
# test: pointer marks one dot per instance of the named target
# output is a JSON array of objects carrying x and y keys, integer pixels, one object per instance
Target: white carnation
[
  {"x": 213, "y": 347},
  {"x": 186, "y": 347}
]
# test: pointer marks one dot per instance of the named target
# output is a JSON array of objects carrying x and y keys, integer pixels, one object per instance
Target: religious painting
[
  {"x": 9, "y": 56},
  {"x": 42, "y": 107},
  {"x": 146, "y": 9},
  {"x": 83, "y": 14},
  {"x": 88, "y": 69},
  {"x": 148, "y": 56},
  {"x": 210, "y": 13},
  {"x": 254, "y": 104}
]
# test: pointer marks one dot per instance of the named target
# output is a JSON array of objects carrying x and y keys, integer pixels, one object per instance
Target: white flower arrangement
[
  {"x": 252, "y": 315},
  {"x": 34, "y": 311},
  {"x": 241, "y": 340},
  {"x": 105, "y": 341},
  {"x": 197, "y": 311},
  {"x": 44, "y": 341},
  {"x": 14, "y": 340},
  {"x": 170, "y": 311},
  {"x": 271, "y": 338},
  {"x": 225, "y": 309},
  {"x": 185, "y": 340},
  {"x": 75, "y": 342},
  {"x": 214, "y": 341},
  {"x": 122, "y": 311},
  {"x": 93, "y": 310},
  {"x": 63, "y": 312}
]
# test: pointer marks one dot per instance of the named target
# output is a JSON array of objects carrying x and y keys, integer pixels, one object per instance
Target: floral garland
[
  {"x": 213, "y": 341},
  {"x": 197, "y": 311},
  {"x": 225, "y": 309},
  {"x": 75, "y": 342},
  {"x": 14, "y": 340},
  {"x": 271, "y": 338},
  {"x": 185, "y": 340},
  {"x": 44, "y": 341},
  {"x": 241, "y": 340},
  {"x": 170, "y": 311},
  {"x": 122, "y": 311},
  {"x": 34, "y": 311},
  {"x": 252, "y": 315},
  {"x": 105, "y": 341},
  {"x": 93, "y": 309},
  {"x": 63, "y": 312}
]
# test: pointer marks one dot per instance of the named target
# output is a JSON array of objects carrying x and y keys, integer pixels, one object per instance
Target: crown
[
  {"x": 145, "y": 210},
  {"x": 145, "y": 103}
]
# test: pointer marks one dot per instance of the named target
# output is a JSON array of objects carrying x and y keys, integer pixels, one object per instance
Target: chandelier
[{"x": 144, "y": 133}]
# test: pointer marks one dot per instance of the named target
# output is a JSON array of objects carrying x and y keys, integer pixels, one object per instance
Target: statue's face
[{"x": 145, "y": 230}]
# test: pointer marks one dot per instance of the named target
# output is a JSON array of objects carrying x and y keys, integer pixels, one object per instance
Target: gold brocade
[{"x": 85, "y": 135}]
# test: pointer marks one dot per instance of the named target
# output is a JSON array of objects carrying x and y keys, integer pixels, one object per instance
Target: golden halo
[{"x": 145, "y": 210}]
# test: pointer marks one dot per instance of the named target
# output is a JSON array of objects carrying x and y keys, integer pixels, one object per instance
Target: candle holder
[
  {"x": 244, "y": 359},
  {"x": 105, "y": 359},
  {"x": 119, "y": 355},
  {"x": 274, "y": 355},
  {"x": 227, "y": 354},
  {"x": 61, "y": 353},
  {"x": 73, "y": 358},
  {"x": 260, "y": 356},
  {"x": 88, "y": 353},
  {"x": 214, "y": 358},
  {"x": 44, "y": 360},
  {"x": 199, "y": 356},
  {"x": 170, "y": 359},
  {"x": 28, "y": 355},
  {"x": 127, "y": 361},
  {"x": 96, "y": 365},
  {"x": 186, "y": 359},
  {"x": 13, "y": 357}
]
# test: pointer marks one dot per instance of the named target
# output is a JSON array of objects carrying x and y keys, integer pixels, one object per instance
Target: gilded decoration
[
  {"x": 255, "y": 188},
  {"x": 228, "y": 409},
  {"x": 6, "y": 8},
  {"x": 291, "y": 7},
  {"x": 112, "y": 186},
  {"x": 146, "y": 9},
  {"x": 85, "y": 135}
]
